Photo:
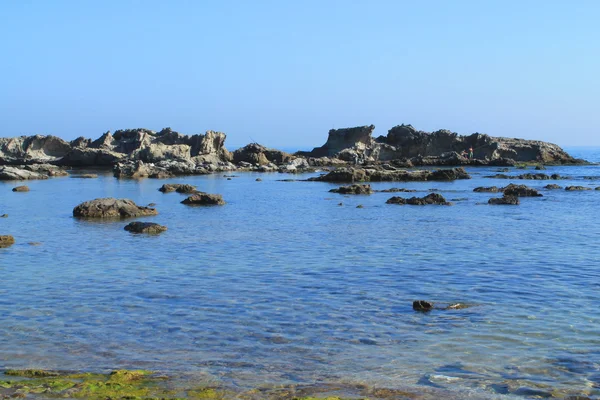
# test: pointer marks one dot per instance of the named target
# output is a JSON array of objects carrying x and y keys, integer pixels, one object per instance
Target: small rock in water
[
  {"x": 177, "y": 187},
  {"x": 21, "y": 189},
  {"x": 258, "y": 180},
  {"x": 111, "y": 208},
  {"x": 340, "y": 204},
  {"x": 85, "y": 176},
  {"x": 145, "y": 227},
  {"x": 151, "y": 205},
  {"x": 360, "y": 206},
  {"x": 6, "y": 240},
  {"x": 422, "y": 305},
  {"x": 504, "y": 200},
  {"x": 4, "y": 216},
  {"x": 34, "y": 243},
  {"x": 576, "y": 188},
  {"x": 353, "y": 189},
  {"x": 204, "y": 199},
  {"x": 553, "y": 186},
  {"x": 228, "y": 179}
]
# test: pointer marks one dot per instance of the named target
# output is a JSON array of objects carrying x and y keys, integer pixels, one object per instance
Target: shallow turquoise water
[{"x": 282, "y": 285}]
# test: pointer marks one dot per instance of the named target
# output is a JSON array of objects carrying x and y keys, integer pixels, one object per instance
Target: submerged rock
[
  {"x": 177, "y": 187},
  {"x": 204, "y": 199},
  {"x": 21, "y": 189},
  {"x": 6, "y": 240},
  {"x": 396, "y": 190},
  {"x": 488, "y": 189},
  {"x": 353, "y": 189},
  {"x": 504, "y": 200},
  {"x": 4, "y": 216},
  {"x": 520, "y": 191},
  {"x": 576, "y": 188},
  {"x": 433, "y": 198},
  {"x": 111, "y": 208},
  {"x": 145, "y": 227},
  {"x": 85, "y": 176}
]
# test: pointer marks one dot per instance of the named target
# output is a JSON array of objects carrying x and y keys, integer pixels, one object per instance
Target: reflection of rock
[
  {"x": 111, "y": 208},
  {"x": 177, "y": 187},
  {"x": 376, "y": 175},
  {"x": 433, "y": 198},
  {"x": 353, "y": 189},
  {"x": 145, "y": 227},
  {"x": 21, "y": 189},
  {"x": 6, "y": 240},
  {"x": 204, "y": 199},
  {"x": 504, "y": 200},
  {"x": 576, "y": 188}
]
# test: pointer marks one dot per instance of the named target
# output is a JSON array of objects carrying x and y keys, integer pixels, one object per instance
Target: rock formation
[
  {"x": 504, "y": 200},
  {"x": 145, "y": 227},
  {"x": 111, "y": 208},
  {"x": 380, "y": 175},
  {"x": 432, "y": 198},
  {"x": 22, "y": 188},
  {"x": 6, "y": 240},
  {"x": 204, "y": 199},
  {"x": 177, "y": 187},
  {"x": 353, "y": 189}
]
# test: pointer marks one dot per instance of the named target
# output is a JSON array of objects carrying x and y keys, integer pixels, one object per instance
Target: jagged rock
[
  {"x": 145, "y": 227},
  {"x": 504, "y": 200},
  {"x": 255, "y": 153},
  {"x": 553, "y": 186},
  {"x": 379, "y": 175},
  {"x": 111, "y": 208},
  {"x": 576, "y": 188},
  {"x": 177, "y": 187},
  {"x": 520, "y": 191},
  {"x": 139, "y": 169},
  {"x": 353, "y": 189},
  {"x": 204, "y": 199},
  {"x": 396, "y": 190},
  {"x": 88, "y": 156},
  {"x": 156, "y": 152},
  {"x": 489, "y": 189},
  {"x": 6, "y": 240},
  {"x": 36, "y": 149},
  {"x": 422, "y": 305},
  {"x": 21, "y": 189},
  {"x": 340, "y": 139},
  {"x": 17, "y": 174},
  {"x": 432, "y": 198}
]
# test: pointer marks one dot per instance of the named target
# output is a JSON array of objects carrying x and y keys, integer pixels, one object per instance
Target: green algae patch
[
  {"x": 206, "y": 393},
  {"x": 30, "y": 373},
  {"x": 124, "y": 375}
]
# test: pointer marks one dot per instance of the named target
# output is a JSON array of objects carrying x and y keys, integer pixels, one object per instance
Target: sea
[{"x": 289, "y": 284}]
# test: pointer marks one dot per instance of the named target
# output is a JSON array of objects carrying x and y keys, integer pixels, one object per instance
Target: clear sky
[{"x": 285, "y": 72}]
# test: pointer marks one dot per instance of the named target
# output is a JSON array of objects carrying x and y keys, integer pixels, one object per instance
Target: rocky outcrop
[
  {"x": 111, "y": 208},
  {"x": 6, "y": 240},
  {"x": 145, "y": 227},
  {"x": 520, "y": 191},
  {"x": 432, "y": 198},
  {"x": 204, "y": 199},
  {"x": 21, "y": 189},
  {"x": 36, "y": 149},
  {"x": 255, "y": 153},
  {"x": 441, "y": 147},
  {"x": 18, "y": 174},
  {"x": 177, "y": 187},
  {"x": 504, "y": 200},
  {"x": 381, "y": 175},
  {"x": 353, "y": 189}
]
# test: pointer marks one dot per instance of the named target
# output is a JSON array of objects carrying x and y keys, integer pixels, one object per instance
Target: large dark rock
[
  {"x": 6, "y": 240},
  {"x": 520, "y": 191},
  {"x": 380, "y": 175},
  {"x": 432, "y": 198},
  {"x": 341, "y": 139},
  {"x": 504, "y": 200},
  {"x": 111, "y": 208},
  {"x": 353, "y": 189},
  {"x": 145, "y": 227},
  {"x": 177, "y": 187},
  {"x": 204, "y": 199},
  {"x": 422, "y": 305}
]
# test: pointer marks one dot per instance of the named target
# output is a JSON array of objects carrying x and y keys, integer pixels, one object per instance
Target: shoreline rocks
[{"x": 111, "y": 208}]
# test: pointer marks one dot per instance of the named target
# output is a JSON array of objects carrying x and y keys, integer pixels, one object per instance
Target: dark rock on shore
[
  {"x": 380, "y": 175},
  {"x": 576, "y": 188},
  {"x": 177, "y": 187},
  {"x": 489, "y": 189},
  {"x": 433, "y": 198},
  {"x": 553, "y": 186},
  {"x": 21, "y": 189},
  {"x": 504, "y": 200},
  {"x": 6, "y": 240},
  {"x": 145, "y": 227},
  {"x": 204, "y": 199},
  {"x": 520, "y": 191},
  {"x": 353, "y": 189},
  {"x": 111, "y": 208}
]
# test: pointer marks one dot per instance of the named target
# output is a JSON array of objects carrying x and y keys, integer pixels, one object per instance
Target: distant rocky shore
[{"x": 140, "y": 153}]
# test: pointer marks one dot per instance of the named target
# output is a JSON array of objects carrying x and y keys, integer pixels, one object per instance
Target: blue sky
[{"x": 285, "y": 72}]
